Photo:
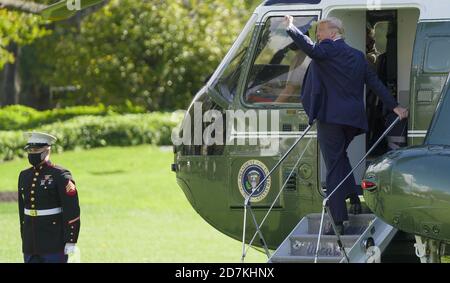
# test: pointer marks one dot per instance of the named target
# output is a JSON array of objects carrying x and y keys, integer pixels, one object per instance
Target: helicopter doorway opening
[{"x": 387, "y": 38}]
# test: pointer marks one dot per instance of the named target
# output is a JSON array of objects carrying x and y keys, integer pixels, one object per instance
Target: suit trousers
[
  {"x": 334, "y": 140},
  {"x": 48, "y": 258}
]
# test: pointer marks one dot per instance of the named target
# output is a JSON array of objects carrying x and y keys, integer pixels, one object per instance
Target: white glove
[{"x": 69, "y": 249}]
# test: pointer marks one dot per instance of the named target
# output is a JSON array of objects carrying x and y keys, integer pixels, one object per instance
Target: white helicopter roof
[{"x": 429, "y": 9}]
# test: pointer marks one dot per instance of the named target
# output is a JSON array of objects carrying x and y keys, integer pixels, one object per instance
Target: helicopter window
[
  {"x": 227, "y": 83},
  {"x": 437, "y": 60},
  {"x": 277, "y": 74},
  {"x": 191, "y": 148}
]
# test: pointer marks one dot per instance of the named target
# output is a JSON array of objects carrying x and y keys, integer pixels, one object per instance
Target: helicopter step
[{"x": 365, "y": 238}]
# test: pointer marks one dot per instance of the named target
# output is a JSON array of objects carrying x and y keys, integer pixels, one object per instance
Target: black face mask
[{"x": 35, "y": 158}]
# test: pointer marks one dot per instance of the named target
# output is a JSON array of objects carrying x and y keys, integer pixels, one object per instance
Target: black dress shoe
[{"x": 355, "y": 208}]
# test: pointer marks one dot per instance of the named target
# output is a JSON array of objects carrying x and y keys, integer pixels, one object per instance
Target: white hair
[{"x": 334, "y": 23}]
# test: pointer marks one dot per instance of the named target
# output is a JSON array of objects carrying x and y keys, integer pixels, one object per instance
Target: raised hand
[{"x": 288, "y": 20}]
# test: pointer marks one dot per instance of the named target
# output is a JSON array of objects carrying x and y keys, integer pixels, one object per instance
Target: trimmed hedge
[
  {"x": 19, "y": 117},
  {"x": 87, "y": 132}
]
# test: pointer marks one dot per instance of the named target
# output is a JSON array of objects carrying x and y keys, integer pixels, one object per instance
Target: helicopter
[
  {"x": 225, "y": 164},
  {"x": 406, "y": 41},
  {"x": 408, "y": 188}
]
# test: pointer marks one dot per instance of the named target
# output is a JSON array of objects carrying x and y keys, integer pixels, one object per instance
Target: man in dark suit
[{"x": 333, "y": 94}]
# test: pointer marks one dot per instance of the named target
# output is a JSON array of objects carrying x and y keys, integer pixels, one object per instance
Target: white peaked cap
[{"x": 39, "y": 139}]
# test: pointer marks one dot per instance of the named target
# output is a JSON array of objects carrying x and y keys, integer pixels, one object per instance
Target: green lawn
[{"x": 132, "y": 210}]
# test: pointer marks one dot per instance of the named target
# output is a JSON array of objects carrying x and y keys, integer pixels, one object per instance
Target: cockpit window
[
  {"x": 276, "y": 76},
  {"x": 230, "y": 70}
]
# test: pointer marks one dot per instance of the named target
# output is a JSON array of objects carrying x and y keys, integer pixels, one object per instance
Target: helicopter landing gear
[{"x": 428, "y": 250}]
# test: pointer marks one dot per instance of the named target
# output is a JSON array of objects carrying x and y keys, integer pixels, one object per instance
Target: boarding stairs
[{"x": 365, "y": 237}]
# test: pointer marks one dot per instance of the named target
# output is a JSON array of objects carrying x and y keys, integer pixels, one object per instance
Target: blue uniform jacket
[{"x": 333, "y": 88}]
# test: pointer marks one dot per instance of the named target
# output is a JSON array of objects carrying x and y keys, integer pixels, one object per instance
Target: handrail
[
  {"x": 279, "y": 193},
  {"x": 325, "y": 201},
  {"x": 247, "y": 204}
]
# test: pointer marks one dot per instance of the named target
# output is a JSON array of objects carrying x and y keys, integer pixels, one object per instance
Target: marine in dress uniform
[
  {"x": 332, "y": 94},
  {"x": 48, "y": 205}
]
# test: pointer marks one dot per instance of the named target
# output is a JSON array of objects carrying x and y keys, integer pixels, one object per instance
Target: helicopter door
[
  {"x": 439, "y": 132},
  {"x": 431, "y": 65}
]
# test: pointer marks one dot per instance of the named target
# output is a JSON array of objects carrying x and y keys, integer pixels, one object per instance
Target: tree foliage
[
  {"x": 20, "y": 28},
  {"x": 155, "y": 53}
]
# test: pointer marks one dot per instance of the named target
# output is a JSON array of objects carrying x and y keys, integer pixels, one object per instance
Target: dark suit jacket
[
  {"x": 333, "y": 89},
  {"x": 45, "y": 187}
]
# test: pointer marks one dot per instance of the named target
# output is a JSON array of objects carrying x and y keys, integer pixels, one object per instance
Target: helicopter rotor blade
[{"x": 66, "y": 8}]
